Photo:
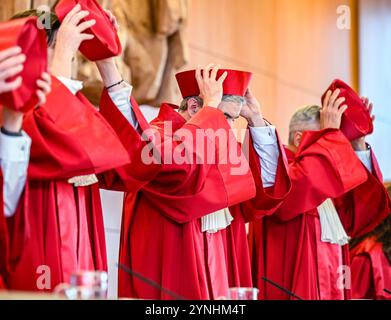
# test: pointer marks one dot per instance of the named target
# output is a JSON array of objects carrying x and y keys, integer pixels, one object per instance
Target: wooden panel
[
  {"x": 9, "y": 7},
  {"x": 293, "y": 47}
]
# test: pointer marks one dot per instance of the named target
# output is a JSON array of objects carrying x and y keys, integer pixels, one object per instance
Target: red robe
[
  {"x": 371, "y": 271},
  {"x": 59, "y": 226},
  {"x": 286, "y": 247},
  {"x": 357, "y": 212},
  {"x": 266, "y": 201},
  {"x": 161, "y": 236},
  {"x": 3, "y": 236}
]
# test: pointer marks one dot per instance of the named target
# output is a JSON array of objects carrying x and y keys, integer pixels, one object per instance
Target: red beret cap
[
  {"x": 356, "y": 121},
  {"x": 236, "y": 82},
  {"x": 106, "y": 43},
  {"x": 25, "y": 34}
]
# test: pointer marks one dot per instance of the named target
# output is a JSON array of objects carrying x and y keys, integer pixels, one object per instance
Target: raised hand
[
  {"x": 252, "y": 111},
  {"x": 11, "y": 63},
  {"x": 107, "y": 67},
  {"x": 360, "y": 143},
  {"x": 12, "y": 119},
  {"x": 332, "y": 110},
  {"x": 211, "y": 89},
  {"x": 112, "y": 19},
  {"x": 69, "y": 37},
  {"x": 44, "y": 87},
  {"x": 369, "y": 106}
]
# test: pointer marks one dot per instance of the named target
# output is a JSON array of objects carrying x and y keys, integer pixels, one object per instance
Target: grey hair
[
  {"x": 234, "y": 99},
  {"x": 304, "y": 119},
  {"x": 184, "y": 103},
  {"x": 226, "y": 98}
]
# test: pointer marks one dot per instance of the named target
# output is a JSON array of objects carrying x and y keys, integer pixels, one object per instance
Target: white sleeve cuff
[
  {"x": 15, "y": 149},
  {"x": 14, "y": 159},
  {"x": 266, "y": 145},
  {"x": 121, "y": 98},
  {"x": 263, "y": 135},
  {"x": 365, "y": 158},
  {"x": 73, "y": 86}
]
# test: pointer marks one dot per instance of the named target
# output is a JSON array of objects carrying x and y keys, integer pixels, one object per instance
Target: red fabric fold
[
  {"x": 286, "y": 246},
  {"x": 106, "y": 43},
  {"x": 71, "y": 139},
  {"x": 180, "y": 257},
  {"x": 371, "y": 271},
  {"x": 25, "y": 34},
  {"x": 356, "y": 121}
]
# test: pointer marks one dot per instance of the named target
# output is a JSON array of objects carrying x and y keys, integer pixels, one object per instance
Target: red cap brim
[{"x": 236, "y": 83}]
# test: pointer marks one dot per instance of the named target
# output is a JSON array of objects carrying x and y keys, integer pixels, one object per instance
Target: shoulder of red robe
[
  {"x": 311, "y": 137},
  {"x": 356, "y": 122},
  {"x": 71, "y": 138},
  {"x": 25, "y": 34},
  {"x": 236, "y": 83},
  {"x": 106, "y": 43}
]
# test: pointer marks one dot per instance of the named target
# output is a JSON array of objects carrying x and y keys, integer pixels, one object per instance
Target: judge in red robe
[
  {"x": 270, "y": 171},
  {"x": 14, "y": 146},
  {"x": 58, "y": 226},
  {"x": 302, "y": 246},
  {"x": 371, "y": 264},
  {"x": 162, "y": 237},
  {"x": 225, "y": 246}
]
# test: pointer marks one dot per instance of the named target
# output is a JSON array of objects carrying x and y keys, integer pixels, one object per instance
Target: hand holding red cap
[
  {"x": 21, "y": 68},
  {"x": 236, "y": 82},
  {"x": 105, "y": 43},
  {"x": 356, "y": 120},
  {"x": 210, "y": 87}
]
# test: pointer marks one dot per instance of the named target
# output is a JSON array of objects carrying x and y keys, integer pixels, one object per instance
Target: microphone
[
  {"x": 387, "y": 291},
  {"x": 281, "y": 288},
  {"x": 150, "y": 282}
]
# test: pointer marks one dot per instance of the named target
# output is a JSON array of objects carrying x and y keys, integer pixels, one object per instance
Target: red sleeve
[
  {"x": 3, "y": 233},
  {"x": 325, "y": 167},
  {"x": 133, "y": 176},
  {"x": 362, "y": 277},
  {"x": 366, "y": 206},
  {"x": 172, "y": 186},
  {"x": 13, "y": 233},
  {"x": 70, "y": 138},
  {"x": 231, "y": 161},
  {"x": 267, "y": 200},
  {"x": 188, "y": 191}
]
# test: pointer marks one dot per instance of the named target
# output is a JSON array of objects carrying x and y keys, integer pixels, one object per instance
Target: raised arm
[
  {"x": 208, "y": 185},
  {"x": 325, "y": 165},
  {"x": 267, "y": 161},
  {"x": 366, "y": 206}
]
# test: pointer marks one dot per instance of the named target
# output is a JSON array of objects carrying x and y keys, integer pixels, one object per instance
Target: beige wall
[
  {"x": 375, "y": 71},
  {"x": 293, "y": 47}
]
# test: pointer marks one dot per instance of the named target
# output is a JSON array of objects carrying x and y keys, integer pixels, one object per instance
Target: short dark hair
[
  {"x": 54, "y": 22},
  {"x": 184, "y": 106}
]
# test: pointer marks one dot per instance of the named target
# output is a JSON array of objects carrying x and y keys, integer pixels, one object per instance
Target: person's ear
[
  {"x": 297, "y": 138},
  {"x": 193, "y": 106}
]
